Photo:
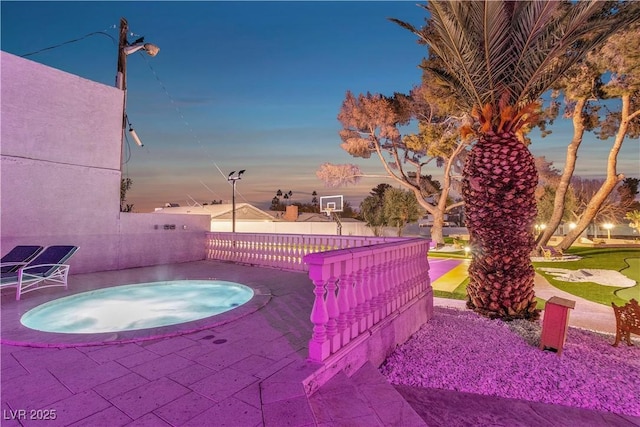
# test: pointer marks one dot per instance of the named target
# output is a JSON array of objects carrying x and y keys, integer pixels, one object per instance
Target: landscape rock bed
[{"x": 462, "y": 351}]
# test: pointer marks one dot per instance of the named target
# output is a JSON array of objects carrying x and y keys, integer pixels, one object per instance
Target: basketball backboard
[{"x": 330, "y": 204}]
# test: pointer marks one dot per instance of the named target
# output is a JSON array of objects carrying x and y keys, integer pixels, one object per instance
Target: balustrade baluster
[
  {"x": 426, "y": 279},
  {"x": 393, "y": 289},
  {"x": 281, "y": 248},
  {"x": 406, "y": 273},
  {"x": 285, "y": 250},
  {"x": 413, "y": 270},
  {"x": 293, "y": 251},
  {"x": 374, "y": 283},
  {"x": 306, "y": 244},
  {"x": 296, "y": 250},
  {"x": 415, "y": 282},
  {"x": 384, "y": 274},
  {"x": 396, "y": 266},
  {"x": 333, "y": 310},
  {"x": 415, "y": 263},
  {"x": 297, "y": 244},
  {"x": 366, "y": 287},
  {"x": 239, "y": 255},
  {"x": 273, "y": 247},
  {"x": 352, "y": 301},
  {"x": 361, "y": 321},
  {"x": 404, "y": 276},
  {"x": 319, "y": 346},
  {"x": 228, "y": 248},
  {"x": 253, "y": 249},
  {"x": 344, "y": 327},
  {"x": 246, "y": 253},
  {"x": 418, "y": 266},
  {"x": 384, "y": 284},
  {"x": 260, "y": 249},
  {"x": 313, "y": 244},
  {"x": 291, "y": 244}
]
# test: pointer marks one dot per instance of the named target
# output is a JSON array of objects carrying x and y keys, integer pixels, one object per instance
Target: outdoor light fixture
[
  {"x": 572, "y": 225},
  {"x": 150, "y": 48},
  {"x": 233, "y": 178},
  {"x": 608, "y": 226},
  {"x": 467, "y": 249},
  {"x": 125, "y": 48},
  {"x": 135, "y": 136},
  {"x": 133, "y": 132}
]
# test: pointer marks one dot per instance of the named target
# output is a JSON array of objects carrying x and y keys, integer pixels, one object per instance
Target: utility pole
[
  {"x": 121, "y": 76},
  {"x": 124, "y": 49}
]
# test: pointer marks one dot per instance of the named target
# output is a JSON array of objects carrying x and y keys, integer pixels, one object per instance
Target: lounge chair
[
  {"x": 45, "y": 270},
  {"x": 18, "y": 256}
]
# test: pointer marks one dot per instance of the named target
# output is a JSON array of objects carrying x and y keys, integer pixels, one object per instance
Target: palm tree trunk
[{"x": 499, "y": 185}]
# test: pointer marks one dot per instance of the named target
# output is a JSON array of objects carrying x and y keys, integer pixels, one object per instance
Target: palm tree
[{"x": 497, "y": 58}]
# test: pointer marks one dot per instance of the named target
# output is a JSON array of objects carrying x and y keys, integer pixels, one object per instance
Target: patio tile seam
[{"x": 61, "y": 382}]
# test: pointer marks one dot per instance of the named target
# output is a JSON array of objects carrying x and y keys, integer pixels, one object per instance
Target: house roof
[
  {"x": 244, "y": 211},
  {"x": 321, "y": 217}
]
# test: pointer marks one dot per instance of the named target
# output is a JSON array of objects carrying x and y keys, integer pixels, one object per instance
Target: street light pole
[
  {"x": 233, "y": 201},
  {"x": 233, "y": 178}
]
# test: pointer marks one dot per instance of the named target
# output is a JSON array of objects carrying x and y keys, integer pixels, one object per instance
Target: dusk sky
[{"x": 247, "y": 85}]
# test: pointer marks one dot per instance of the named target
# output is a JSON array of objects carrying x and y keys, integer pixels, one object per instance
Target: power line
[
  {"x": 104, "y": 33},
  {"x": 162, "y": 85}
]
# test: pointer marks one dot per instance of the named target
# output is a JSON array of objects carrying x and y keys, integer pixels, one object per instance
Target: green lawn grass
[
  {"x": 459, "y": 255},
  {"x": 624, "y": 260}
]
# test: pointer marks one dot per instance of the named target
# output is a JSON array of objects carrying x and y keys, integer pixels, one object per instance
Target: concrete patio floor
[{"x": 242, "y": 368}]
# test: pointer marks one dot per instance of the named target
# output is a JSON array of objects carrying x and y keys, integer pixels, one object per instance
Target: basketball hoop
[{"x": 331, "y": 205}]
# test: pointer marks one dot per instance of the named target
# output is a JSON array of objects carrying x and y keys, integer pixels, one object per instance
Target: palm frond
[{"x": 489, "y": 49}]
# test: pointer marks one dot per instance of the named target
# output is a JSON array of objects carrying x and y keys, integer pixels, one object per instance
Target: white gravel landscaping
[
  {"x": 594, "y": 275},
  {"x": 460, "y": 350}
]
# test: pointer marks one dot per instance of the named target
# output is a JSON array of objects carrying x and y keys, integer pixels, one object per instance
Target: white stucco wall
[{"x": 60, "y": 145}]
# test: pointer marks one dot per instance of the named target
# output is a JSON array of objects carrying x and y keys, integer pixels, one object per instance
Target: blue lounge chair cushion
[{"x": 19, "y": 256}]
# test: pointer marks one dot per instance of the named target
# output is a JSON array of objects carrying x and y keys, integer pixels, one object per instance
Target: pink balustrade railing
[
  {"x": 358, "y": 281},
  {"x": 283, "y": 251},
  {"x": 357, "y": 288}
]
